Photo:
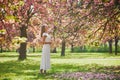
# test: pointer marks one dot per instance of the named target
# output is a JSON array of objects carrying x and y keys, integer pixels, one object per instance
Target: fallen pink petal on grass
[{"x": 87, "y": 76}]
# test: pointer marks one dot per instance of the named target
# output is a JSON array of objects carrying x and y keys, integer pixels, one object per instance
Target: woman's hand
[
  {"x": 47, "y": 42},
  {"x": 43, "y": 41}
]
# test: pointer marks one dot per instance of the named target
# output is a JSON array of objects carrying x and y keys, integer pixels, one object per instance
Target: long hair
[{"x": 42, "y": 30}]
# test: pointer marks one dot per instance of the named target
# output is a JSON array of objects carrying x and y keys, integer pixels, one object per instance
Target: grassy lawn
[{"x": 12, "y": 69}]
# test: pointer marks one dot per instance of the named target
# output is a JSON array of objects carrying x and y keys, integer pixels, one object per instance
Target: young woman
[{"x": 46, "y": 41}]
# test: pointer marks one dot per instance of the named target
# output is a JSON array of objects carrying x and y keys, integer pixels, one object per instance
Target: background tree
[
  {"x": 103, "y": 16},
  {"x": 20, "y": 14}
]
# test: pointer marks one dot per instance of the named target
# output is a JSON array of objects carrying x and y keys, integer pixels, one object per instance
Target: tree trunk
[
  {"x": 63, "y": 48},
  {"x": 22, "y": 49},
  {"x": 110, "y": 46},
  {"x": 72, "y": 48},
  {"x": 116, "y": 45},
  {"x": 1, "y": 50},
  {"x": 54, "y": 50},
  {"x": 81, "y": 48},
  {"x": 33, "y": 49}
]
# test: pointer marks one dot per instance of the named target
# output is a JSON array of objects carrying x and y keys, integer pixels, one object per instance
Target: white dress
[{"x": 45, "y": 60}]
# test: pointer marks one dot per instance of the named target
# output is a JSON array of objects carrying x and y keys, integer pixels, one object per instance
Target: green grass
[{"x": 12, "y": 69}]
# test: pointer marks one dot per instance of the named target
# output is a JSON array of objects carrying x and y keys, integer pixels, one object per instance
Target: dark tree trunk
[
  {"x": 81, "y": 48},
  {"x": 110, "y": 46},
  {"x": 54, "y": 50},
  {"x": 72, "y": 48},
  {"x": 22, "y": 49},
  {"x": 1, "y": 49},
  {"x": 116, "y": 45},
  {"x": 63, "y": 48},
  {"x": 33, "y": 49}
]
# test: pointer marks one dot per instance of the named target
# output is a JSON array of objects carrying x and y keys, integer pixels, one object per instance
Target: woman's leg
[
  {"x": 45, "y": 71},
  {"x": 41, "y": 70}
]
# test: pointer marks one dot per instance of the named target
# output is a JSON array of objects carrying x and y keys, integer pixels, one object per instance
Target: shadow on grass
[{"x": 29, "y": 70}]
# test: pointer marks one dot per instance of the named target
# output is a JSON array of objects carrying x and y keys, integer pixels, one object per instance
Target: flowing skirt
[{"x": 45, "y": 59}]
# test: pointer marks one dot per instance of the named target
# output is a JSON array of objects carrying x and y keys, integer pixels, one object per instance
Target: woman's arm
[
  {"x": 47, "y": 43},
  {"x": 43, "y": 41}
]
